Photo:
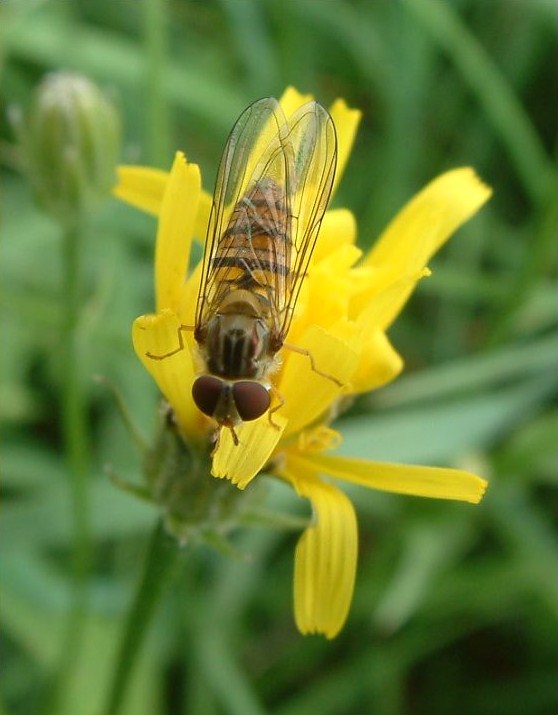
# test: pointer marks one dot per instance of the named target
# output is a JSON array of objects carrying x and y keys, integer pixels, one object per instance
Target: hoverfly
[{"x": 271, "y": 192}]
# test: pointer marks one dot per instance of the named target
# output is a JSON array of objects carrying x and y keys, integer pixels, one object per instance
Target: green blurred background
[{"x": 455, "y": 606}]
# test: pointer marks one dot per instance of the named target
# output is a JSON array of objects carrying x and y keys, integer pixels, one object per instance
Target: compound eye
[
  {"x": 206, "y": 392},
  {"x": 252, "y": 399}
]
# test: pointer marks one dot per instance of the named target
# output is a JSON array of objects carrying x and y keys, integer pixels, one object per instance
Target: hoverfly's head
[{"x": 230, "y": 403}]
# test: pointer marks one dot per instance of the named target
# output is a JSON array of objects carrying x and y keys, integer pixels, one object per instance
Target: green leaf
[
  {"x": 441, "y": 433},
  {"x": 37, "y": 625}
]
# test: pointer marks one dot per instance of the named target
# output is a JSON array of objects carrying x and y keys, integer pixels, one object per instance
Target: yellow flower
[{"x": 347, "y": 304}]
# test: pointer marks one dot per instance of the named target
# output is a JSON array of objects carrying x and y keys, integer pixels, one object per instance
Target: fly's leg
[
  {"x": 217, "y": 439},
  {"x": 275, "y": 392},
  {"x": 234, "y": 437},
  {"x": 180, "y": 344},
  {"x": 308, "y": 354}
]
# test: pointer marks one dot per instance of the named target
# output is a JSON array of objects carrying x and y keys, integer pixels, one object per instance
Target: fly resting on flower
[{"x": 271, "y": 192}]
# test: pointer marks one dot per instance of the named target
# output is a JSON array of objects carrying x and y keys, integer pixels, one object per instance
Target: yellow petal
[
  {"x": 327, "y": 291},
  {"x": 174, "y": 235},
  {"x": 379, "y": 363},
  {"x": 202, "y": 217},
  {"x": 338, "y": 228},
  {"x": 421, "y": 228},
  {"x": 188, "y": 300},
  {"x": 141, "y": 187},
  {"x": 292, "y": 99},
  {"x": 307, "y": 393},
  {"x": 240, "y": 463},
  {"x": 158, "y": 335},
  {"x": 433, "y": 482},
  {"x": 326, "y": 555},
  {"x": 144, "y": 188},
  {"x": 318, "y": 439},
  {"x": 346, "y": 124},
  {"x": 340, "y": 260},
  {"x": 429, "y": 219},
  {"x": 378, "y": 304}
]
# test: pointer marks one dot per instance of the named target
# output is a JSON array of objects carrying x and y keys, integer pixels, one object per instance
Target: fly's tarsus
[{"x": 180, "y": 347}]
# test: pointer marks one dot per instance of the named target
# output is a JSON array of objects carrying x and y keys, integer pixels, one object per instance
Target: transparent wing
[
  {"x": 312, "y": 143},
  {"x": 271, "y": 192},
  {"x": 248, "y": 144}
]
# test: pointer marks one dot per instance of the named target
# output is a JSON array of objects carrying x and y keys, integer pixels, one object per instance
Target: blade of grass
[
  {"x": 440, "y": 433},
  {"x": 493, "y": 92},
  {"x": 476, "y": 372},
  {"x": 157, "y": 120},
  {"x": 160, "y": 565},
  {"x": 253, "y": 44}
]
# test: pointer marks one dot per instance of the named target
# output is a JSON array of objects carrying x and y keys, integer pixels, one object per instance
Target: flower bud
[
  {"x": 195, "y": 505},
  {"x": 70, "y": 141}
]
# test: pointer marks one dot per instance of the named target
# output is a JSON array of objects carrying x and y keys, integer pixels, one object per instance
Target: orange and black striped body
[
  {"x": 254, "y": 251},
  {"x": 252, "y": 263}
]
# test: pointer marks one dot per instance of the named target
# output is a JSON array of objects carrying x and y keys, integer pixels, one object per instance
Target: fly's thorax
[
  {"x": 240, "y": 301},
  {"x": 237, "y": 346}
]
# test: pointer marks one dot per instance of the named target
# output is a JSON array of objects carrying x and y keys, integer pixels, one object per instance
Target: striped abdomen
[{"x": 254, "y": 251}]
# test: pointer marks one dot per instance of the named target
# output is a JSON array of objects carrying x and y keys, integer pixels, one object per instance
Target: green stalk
[
  {"x": 160, "y": 563},
  {"x": 76, "y": 450},
  {"x": 157, "y": 117},
  {"x": 74, "y": 421},
  {"x": 497, "y": 98}
]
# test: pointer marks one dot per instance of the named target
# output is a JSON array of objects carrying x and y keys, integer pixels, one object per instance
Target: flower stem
[
  {"x": 76, "y": 450},
  {"x": 157, "y": 119},
  {"x": 159, "y": 567},
  {"x": 74, "y": 420}
]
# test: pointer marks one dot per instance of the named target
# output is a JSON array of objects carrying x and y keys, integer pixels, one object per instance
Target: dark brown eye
[
  {"x": 251, "y": 399},
  {"x": 206, "y": 392}
]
